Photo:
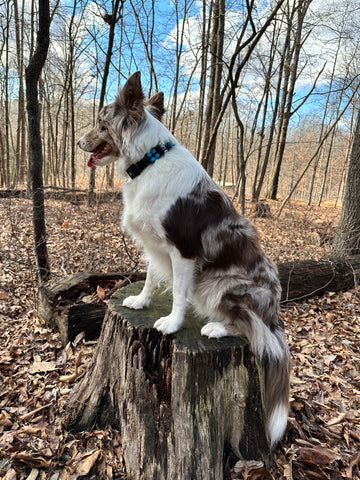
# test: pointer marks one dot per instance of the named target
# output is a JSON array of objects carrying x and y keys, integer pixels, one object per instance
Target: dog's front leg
[
  {"x": 144, "y": 298},
  {"x": 183, "y": 281}
]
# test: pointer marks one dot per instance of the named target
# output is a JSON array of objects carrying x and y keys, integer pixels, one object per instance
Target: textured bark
[
  {"x": 298, "y": 11},
  {"x": 347, "y": 238},
  {"x": 62, "y": 306},
  {"x": 307, "y": 278},
  {"x": 184, "y": 404},
  {"x": 213, "y": 96},
  {"x": 32, "y": 76},
  {"x": 111, "y": 20}
]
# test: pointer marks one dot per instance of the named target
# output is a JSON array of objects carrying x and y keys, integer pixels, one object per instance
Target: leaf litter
[{"x": 37, "y": 372}]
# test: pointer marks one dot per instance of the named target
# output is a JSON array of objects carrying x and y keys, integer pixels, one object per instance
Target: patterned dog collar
[{"x": 136, "y": 168}]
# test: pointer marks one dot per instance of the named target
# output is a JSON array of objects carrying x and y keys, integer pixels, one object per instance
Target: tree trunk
[
  {"x": 111, "y": 20},
  {"x": 185, "y": 405},
  {"x": 20, "y": 131},
  {"x": 291, "y": 73},
  {"x": 205, "y": 34},
  {"x": 235, "y": 69},
  {"x": 32, "y": 75},
  {"x": 347, "y": 238},
  {"x": 76, "y": 303},
  {"x": 213, "y": 96}
]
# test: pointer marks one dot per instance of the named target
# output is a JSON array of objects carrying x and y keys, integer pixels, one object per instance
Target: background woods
[
  {"x": 252, "y": 88},
  {"x": 265, "y": 94}
]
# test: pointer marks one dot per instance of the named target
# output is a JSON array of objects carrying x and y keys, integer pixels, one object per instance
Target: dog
[{"x": 193, "y": 239}]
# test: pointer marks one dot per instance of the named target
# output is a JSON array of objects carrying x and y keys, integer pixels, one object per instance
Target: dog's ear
[
  {"x": 129, "y": 102},
  {"x": 155, "y": 105}
]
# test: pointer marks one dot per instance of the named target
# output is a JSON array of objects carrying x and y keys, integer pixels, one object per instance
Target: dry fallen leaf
[
  {"x": 4, "y": 295},
  {"x": 10, "y": 475},
  {"x": 42, "y": 367},
  {"x": 337, "y": 420},
  {"x": 33, "y": 474},
  {"x": 318, "y": 455},
  {"x": 354, "y": 465},
  {"x": 84, "y": 465},
  {"x": 32, "y": 460},
  {"x": 73, "y": 376},
  {"x": 29, "y": 415},
  {"x": 100, "y": 292},
  {"x": 5, "y": 420}
]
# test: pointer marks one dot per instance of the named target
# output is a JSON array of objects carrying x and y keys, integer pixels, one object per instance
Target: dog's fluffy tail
[
  {"x": 269, "y": 345},
  {"x": 277, "y": 373}
]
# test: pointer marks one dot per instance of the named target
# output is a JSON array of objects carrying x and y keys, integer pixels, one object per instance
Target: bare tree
[
  {"x": 213, "y": 105},
  {"x": 111, "y": 19},
  {"x": 291, "y": 73},
  {"x": 347, "y": 238},
  {"x": 245, "y": 48},
  {"x": 32, "y": 75},
  {"x": 21, "y": 126}
]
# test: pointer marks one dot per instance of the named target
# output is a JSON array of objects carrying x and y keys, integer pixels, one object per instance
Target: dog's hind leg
[
  {"x": 183, "y": 283},
  {"x": 143, "y": 300}
]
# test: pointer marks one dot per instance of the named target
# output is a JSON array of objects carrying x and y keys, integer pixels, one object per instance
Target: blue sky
[{"x": 319, "y": 48}]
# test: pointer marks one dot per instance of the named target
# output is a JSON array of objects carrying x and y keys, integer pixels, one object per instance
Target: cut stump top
[{"x": 188, "y": 338}]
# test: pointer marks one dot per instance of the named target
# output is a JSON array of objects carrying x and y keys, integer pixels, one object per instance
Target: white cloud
[{"x": 327, "y": 23}]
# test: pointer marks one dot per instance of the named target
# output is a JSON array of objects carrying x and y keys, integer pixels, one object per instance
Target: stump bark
[{"x": 185, "y": 405}]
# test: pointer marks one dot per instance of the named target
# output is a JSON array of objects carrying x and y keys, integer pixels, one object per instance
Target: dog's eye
[{"x": 102, "y": 128}]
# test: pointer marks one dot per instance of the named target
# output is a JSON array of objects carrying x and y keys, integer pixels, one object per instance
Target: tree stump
[{"x": 185, "y": 405}]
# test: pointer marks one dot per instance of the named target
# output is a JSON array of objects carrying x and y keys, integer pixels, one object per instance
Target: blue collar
[{"x": 136, "y": 168}]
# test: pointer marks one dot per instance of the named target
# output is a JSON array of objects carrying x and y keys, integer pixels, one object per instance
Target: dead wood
[
  {"x": 73, "y": 304},
  {"x": 67, "y": 306},
  {"x": 306, "y": 278},
  {"x": 67, "y": 194},
  {"x": 184, "y": 404}
]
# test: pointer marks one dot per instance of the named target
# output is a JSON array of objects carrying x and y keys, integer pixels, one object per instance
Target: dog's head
[{"x": 118, "y": 120}]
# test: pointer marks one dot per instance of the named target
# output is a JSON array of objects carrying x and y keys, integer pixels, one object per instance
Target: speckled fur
[{"x": 196, "y": 242}]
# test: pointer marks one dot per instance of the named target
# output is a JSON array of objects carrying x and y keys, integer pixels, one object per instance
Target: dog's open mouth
[{"x": 102, "y": 151}]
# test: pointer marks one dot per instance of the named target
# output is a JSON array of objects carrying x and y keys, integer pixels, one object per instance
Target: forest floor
[{"x": 323, "y": 437}]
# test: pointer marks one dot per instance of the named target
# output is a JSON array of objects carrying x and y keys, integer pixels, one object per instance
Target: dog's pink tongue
[{"x": 103, "y": 150}]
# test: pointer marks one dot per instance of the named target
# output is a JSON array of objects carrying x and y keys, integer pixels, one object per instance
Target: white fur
[
  {"x": 277, "y": 423},
  {"x": 214, "y": 330},
  {"x": 147, "y": 198}
]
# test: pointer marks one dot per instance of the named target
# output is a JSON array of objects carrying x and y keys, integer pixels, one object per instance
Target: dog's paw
[
  {"x": 214, "y": 330},
  {"x": 136, "y": 302},
  {"x": 167, "y": 325}
]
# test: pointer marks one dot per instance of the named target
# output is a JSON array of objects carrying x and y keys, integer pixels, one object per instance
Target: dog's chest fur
[{"x": 149, "y": 198}]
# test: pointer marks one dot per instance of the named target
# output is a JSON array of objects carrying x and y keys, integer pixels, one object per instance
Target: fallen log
[
  {"x": 186, "y": 406},
  {"x": 72, "y": 305},
  {"x": 301, "y": 279},
  {"x": 67, "y": 307},
  {"x": 66, "y": 194}
]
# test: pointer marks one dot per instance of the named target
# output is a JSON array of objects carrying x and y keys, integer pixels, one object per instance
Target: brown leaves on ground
[
  {"x": 324, "y": 429},
  {"x": 37, "y": 373}
]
